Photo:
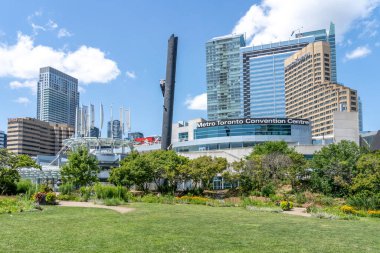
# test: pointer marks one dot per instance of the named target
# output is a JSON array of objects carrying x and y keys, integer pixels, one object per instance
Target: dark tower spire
[{"x": 167, "y": 88}]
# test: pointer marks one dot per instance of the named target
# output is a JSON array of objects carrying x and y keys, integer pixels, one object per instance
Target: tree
[
  {"x": 123, "y": 175},
  {"x": 334, "y": 167},
  {"x": 81, "y": 169},
  {"x": 156, "y": 166},
  {"x": 166, "y": 166},
  {"x": 368, "y": 174},
  {"x": 9, "y": 176},
  {"x": 272, "y": 163},
  {"x": 204, "y": 168}
]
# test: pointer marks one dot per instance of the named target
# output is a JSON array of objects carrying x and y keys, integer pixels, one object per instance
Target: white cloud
[
  {"x": 51, "y": 25},
  {"x": 22, "y": 100},
  {"x": 30, "y": 84},
  {"x": 131, "y": 74},
  {"x": 274, "y": 20},
  {"x": 23, "y": 60},
  {"x": 359, "y": 52},
  {"x": 197, "y": 103},
  {"x": 36, "y": 28},
  {"x": 369, "y": 28},
  {"x": 81, "y": 89},
  {"x": 63, "y": 32}
]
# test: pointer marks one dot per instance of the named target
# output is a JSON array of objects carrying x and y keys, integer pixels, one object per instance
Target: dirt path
[
  {"x": 120, "y": 209},
  {"x": 298, "y": 211}
]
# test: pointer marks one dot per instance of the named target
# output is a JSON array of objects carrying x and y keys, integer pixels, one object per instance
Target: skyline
[{"x": 121, "y": 63}]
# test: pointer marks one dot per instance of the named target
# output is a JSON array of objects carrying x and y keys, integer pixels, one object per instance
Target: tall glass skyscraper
[
  {"x": 57, "y": 96},
  {"x": 223, "y": 77},
  {"x": 263, "y": 78}
]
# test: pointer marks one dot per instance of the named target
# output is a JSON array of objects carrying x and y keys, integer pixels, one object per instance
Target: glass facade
[
  {"x": 57, "y": 97},
  {"x": 184, "y": 136},
  {"x": 263, "y": 77},
  {"x": 223, "y": 77},
  {"x": 241, "y": 130}
]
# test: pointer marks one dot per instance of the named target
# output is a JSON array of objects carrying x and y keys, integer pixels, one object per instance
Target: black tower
[{"x": 167, "y": 88}]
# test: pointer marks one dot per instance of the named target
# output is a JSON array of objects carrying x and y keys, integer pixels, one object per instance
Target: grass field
[{"x": 181, "y": 228}]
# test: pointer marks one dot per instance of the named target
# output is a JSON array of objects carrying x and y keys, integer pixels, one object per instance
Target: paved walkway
[
  {"x": 120, "y": 209},
  {"x": 298, "y": 211}
]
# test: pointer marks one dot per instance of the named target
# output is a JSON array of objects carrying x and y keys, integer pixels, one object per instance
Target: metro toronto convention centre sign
[{"x": 254, "y": 121}]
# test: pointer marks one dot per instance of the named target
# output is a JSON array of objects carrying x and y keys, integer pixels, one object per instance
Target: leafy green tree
[
  {"x": 123, "y": 175},
  {"x": 272, "y": 163},
  {"x": 156, "y": 166},
  {"x": 204, "y": 168},
  {"x": 9, "y": 176},
  {"x": 81, "y": 169},
  {"x": 334, "y": 167},
  {"x": 166, "y": 166},
  {"x": 368, "y": 175}
]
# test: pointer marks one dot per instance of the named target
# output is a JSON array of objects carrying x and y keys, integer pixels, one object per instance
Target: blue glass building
[
  {"x": 223, "y": 77},
  {"x": 263, "y": 75}
]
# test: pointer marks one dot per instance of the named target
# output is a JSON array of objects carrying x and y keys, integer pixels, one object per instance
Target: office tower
[
  {"x": 223, "y": 77},
  {"x": 35, "y": 137},
  {"x": 322, "y": 35},
  {"x": 311, "y": 94},
  {"x": 3, "y": 139},
  {"x": 57, "y": 96},
  {"x": 263, "y": 81},
  {"x": 114, "y": 129},
  {"x": 134, "y": 135}
]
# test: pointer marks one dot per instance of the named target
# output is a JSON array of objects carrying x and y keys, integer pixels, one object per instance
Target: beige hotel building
[
  {"x": 309, "y": 93},
  {"x": 34, "y": 137}
]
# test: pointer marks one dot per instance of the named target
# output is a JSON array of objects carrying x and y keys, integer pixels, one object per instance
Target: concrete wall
[{"x": 346, "y": 126}]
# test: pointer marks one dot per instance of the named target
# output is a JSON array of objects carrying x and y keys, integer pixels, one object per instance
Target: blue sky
[{"x": 117, "y": 49}]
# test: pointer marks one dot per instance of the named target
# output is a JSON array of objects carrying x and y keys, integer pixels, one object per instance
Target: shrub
[
  {"x": 113, "y": 202},
  {"x": 286, "y": 205},
  {"x": 11, "y": 205},
  {"x": 301, "y": 198},
  {"x": 40, "y": 198},
  {"x": 255, "y": 193},
  {"x": 51, "y": 198},
  {"x": 268, "y": 190},
  {"x": 276, "y": 198},
  {"x": 348, "y": 209},
  {"x": 365, "y": 201},
  {"x": 45, "y": 188},
  {"x": 68, "y": 197},
  {"x": 326, "y": 201},
  {"x": 23, "y": 186},
  {"x": 150, "y": 198},
  {"x": 66, "y": 189},
  {"x": 110, "y": 191},
  {"x": 374, "y": 213},
  {"x": 86, "y": 192},
  {"x": 192, "y": 200}
]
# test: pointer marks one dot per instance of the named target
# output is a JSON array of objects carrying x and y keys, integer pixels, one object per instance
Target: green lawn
[{"x": 181, "y": 228}]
